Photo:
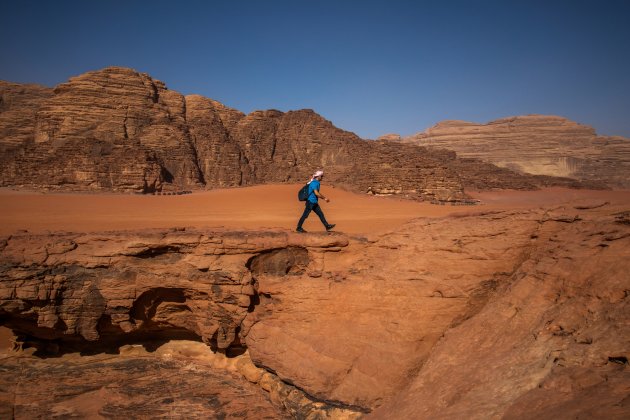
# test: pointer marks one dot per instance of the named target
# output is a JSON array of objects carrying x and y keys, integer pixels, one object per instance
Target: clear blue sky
[{"x": 371, "y": 67}]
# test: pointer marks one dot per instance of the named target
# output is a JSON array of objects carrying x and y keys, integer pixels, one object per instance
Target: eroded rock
[
  {"x": 176, "y": 381},
  {"x": 117, "y": 129},
  {"x": 93, "y": 290},
  {"x": 491, "y": 314},
  {"x": 537, "y": 144},
  {"x": 552, "y": 342}
]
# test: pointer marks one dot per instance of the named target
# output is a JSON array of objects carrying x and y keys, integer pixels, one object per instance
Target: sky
[{"x": 370, "y": 67}]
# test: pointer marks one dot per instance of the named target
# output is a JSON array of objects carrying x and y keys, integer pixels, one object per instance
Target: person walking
[{"x": 312, "y": 202}]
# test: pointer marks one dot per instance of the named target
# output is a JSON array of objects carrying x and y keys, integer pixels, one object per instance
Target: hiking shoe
[
  {"x": 300, "y": 230},
  {"x": 329, "y": 227}
]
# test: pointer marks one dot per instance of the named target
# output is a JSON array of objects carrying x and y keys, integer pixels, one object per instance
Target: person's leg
[
  {"x": 318, "y": 211},
  {"x": 307, "y": 210}
]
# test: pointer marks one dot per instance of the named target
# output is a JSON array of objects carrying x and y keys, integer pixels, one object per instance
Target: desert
[
  {"x": 259, "y": 207},
  {"x": 150, "y": 264},
  {"x": 465, "y": 170},
  {"x": 213, "y": 288}
]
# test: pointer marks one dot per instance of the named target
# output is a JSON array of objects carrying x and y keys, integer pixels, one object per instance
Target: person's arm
[{"x": 320, "y": 195}]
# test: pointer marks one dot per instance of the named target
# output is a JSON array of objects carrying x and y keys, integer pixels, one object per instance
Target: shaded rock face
[
  {"x": 513, "y": 313},
  {"x": 117, "y": 129},
  {"x": 536, "y": 144}
]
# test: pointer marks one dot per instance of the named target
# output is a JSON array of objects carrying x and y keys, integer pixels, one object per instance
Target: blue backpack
[{"x": 303, "y": 193}]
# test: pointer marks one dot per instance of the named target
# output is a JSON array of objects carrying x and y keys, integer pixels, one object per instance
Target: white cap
[{"x": 318, "y": 173}]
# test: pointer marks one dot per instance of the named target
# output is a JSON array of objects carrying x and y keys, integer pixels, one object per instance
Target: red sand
[{"x": 266, "y": 207}]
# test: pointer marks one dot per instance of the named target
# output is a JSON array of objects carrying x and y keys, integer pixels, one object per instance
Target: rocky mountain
[
  {"x": 536, "y": 144},
  {"x": 112, "y": 129},
  {"x": 120, "y": 130},
  {"x": 498, "y": 314}
]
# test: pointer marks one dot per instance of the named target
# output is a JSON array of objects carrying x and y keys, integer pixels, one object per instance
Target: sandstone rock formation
[
  {"x": 552, "y": 341},
  {"x": 134, "y": 384},
  {"x": 536, "y": 144},
  {"x": 18, "y": 108},
  {"x": 390, "y": 137},
  {"x": 112, "y": 129},
  {"x": 117, "y": 129},
  {"x": 506, "y": 313},
  {"x": 92, "y": 289}
]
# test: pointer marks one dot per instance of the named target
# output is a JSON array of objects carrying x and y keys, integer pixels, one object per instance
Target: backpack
[{"x": 303, "y": 193}]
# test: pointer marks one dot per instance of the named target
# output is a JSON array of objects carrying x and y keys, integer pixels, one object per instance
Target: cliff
[
  {"x": 536, "y": 144},
  {"x": 120, "y": 130}
]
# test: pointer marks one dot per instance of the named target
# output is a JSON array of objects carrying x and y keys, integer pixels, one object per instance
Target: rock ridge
[
  {"x": 117, "y": 129},
  {"x": 536, "y": 144}
]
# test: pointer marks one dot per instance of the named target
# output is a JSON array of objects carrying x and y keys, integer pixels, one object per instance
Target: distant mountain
[
  {"x": 120, "y": 130},
  {"x": 536, "y": 144}
]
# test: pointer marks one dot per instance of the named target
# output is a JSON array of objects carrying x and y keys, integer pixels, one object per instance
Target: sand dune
[{"x": 260, "y": 207}]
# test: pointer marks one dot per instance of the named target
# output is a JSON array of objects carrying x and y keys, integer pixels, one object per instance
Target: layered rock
[
  {"x": 553, "y": 340},
  {"x": 219, "y": 157},
  {"x": 173, "y": 382},
  {"x": 117, "y": 129},
  {"x": 489, "y": 314},
  {"x": 390, "y": 137},
  {"x": 357, "y": 337},
  {"x": 536, "y": 144},
  {"x": 98, "y": 289},
  {"x": 478, "y": 175},
  {"x": 113, "y": 129},
  {"x": 18, "y": 108}
]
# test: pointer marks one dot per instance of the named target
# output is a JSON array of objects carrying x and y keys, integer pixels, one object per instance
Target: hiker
[{"x": 311, "y": 203}]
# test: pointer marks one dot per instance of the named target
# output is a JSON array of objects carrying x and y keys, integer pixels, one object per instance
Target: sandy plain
[{"x": 259, "y": 207}]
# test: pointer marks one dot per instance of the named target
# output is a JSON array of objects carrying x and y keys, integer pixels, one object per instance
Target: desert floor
[{"x": 260, "y": 207}]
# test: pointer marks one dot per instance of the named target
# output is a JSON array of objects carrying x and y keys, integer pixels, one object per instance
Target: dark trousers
[{"x": 307, "y": 210}]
